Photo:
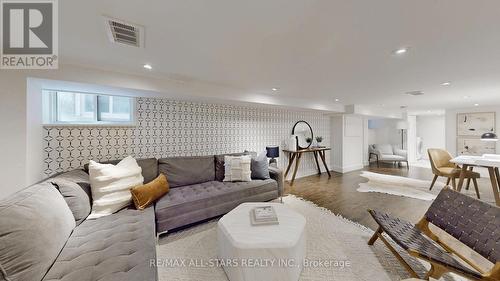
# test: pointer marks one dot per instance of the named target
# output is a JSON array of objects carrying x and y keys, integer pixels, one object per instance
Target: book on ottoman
[{"x": 264, "y": 215}]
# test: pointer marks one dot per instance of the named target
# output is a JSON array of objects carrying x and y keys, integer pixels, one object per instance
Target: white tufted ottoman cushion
[{"x": 264, "y": 252}]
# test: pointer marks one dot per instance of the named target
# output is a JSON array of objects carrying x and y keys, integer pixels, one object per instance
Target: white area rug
[
  {"x": 401, "y": 186},
  {"x": 329, "y": 238}
]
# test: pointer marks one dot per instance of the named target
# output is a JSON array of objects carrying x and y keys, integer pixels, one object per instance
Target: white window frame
[
  {"x": 102, "y": 115},
  {"x": 50, "y": 114}
]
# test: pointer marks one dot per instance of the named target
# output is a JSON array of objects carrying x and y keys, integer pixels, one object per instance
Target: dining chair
[{"x": 442, "y": 167}]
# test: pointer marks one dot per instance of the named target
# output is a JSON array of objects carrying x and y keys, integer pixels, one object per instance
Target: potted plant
[{"x": 319, "y": 139}]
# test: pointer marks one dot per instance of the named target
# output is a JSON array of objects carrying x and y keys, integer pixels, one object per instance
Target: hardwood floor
[{"x": 339, "y": 194}]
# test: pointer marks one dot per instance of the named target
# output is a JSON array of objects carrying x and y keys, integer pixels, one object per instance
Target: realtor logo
[{"x": 29, "y": 34}]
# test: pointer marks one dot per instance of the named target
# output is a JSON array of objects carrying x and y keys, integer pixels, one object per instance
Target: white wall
[
  {"x": 366, "y": 142},
  {"x": 353, "y": 143},
  {"x": 411, "y": 145},
  {"x": 348, "y": 140},
  {"x": 34, "y": 144},
  {"x": 451, "y": 125},
  {"x": 374, "y": 111},
  {"x": 13, "y": 131},
  {"x": 431, "y": 129},
  {"x": 337, "y": 140},
  {"x": 383, "y": 131}
]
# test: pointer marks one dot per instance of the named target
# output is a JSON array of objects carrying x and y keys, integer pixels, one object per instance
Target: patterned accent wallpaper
[{"x": 166, "y": 128}]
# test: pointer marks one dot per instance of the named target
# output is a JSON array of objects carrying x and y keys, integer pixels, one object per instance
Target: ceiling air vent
[{"x": 122, "y": 32}]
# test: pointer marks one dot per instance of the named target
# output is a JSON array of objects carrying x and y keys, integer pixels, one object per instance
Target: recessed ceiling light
[
  {"x": 445, "y": 84},
  {"x": 414, "y": 93},
  {"x": 400, "y": 51},
  {"x": 148, "y": 66},
  {"x": 337, "y": 100},
  {"x": 476, "y": 104},
  {"x": 274, "y": 89}
]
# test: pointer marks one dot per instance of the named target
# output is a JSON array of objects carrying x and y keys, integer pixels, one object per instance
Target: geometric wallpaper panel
[{"x": 166, "y": 128}]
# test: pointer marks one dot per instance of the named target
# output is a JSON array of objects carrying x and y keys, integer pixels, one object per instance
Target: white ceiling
[{"x": 308, "y": 49}]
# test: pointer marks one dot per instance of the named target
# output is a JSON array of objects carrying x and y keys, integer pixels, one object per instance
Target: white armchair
[{"x": 387, "y": 153}]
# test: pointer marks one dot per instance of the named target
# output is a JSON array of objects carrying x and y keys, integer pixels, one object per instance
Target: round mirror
[{"x": 304, "y": 133}]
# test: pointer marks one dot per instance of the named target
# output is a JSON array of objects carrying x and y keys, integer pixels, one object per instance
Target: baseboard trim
[
  {"x": 301, "y": 173},
  {"x": 337, "y": 169},
  {"x": 305, "y": 174},
  {"x": 347, "y": 169}
]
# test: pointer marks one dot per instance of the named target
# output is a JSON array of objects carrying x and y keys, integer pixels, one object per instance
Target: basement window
[{"x": 77, "y": 108}]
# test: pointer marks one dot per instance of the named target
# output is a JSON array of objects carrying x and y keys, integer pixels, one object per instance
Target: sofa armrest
[
  {"x": 277, "y": 175},
  {"x": 375, "y": 151}
]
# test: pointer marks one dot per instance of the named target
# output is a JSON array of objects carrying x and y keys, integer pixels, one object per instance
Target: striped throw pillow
[{"x": 111, "y": 184}]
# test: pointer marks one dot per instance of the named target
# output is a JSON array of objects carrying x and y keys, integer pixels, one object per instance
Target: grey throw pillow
[
  {"x": 77, "y": 199},
  {"x": 260, "y": 167}
]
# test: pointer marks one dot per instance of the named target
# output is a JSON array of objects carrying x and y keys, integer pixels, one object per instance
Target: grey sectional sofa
[
  {"x": 44, "y": 234},
  {"x": 198, "y": 192}
]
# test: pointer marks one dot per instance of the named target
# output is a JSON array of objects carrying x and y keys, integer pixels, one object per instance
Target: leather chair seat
[
  {"x": 455, "y": 173},
  {"x": 443, "y": 167}
]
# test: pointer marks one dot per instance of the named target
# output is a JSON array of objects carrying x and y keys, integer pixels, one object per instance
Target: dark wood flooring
[{"x": 339, "y": 194}]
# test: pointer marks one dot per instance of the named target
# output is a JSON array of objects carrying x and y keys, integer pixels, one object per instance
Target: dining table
[{"x": 492, "y": 163}]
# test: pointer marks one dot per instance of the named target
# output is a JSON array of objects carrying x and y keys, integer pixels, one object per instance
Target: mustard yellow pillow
[{"x": 145, "y": 195}]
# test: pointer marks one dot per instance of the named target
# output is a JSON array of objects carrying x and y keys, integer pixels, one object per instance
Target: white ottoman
[{"x": 264, "y": 252}]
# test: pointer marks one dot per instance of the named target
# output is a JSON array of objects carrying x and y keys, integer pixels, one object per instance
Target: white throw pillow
[
  {"x": 111, "y": 184},
  {"x": 237, "y": 168}
]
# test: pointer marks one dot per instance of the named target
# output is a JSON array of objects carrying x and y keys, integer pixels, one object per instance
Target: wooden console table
[{"x": 297, "y": 155}]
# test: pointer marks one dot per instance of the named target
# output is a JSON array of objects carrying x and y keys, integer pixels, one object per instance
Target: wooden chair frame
[
  {"x": 454, "y": 183},
  {"x": 437, "y": 269}
]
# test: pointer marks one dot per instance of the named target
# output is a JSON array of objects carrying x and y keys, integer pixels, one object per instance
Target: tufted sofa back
[{"x": 181, "y": 171}]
